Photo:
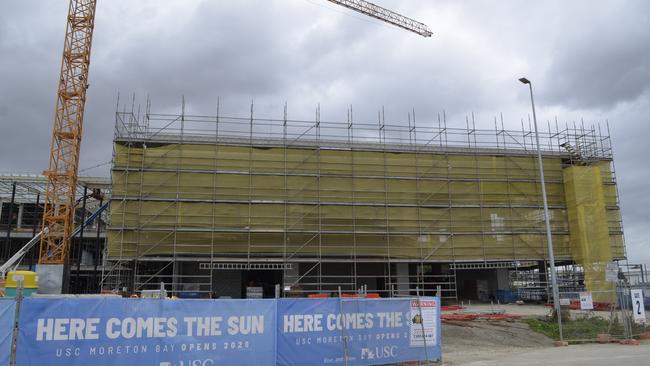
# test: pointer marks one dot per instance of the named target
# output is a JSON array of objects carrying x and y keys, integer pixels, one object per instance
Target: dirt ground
[
  {"x": 523, "y": 310},
  {"x": 481, "y": 340},
  {"x": 465, "y": 342}
]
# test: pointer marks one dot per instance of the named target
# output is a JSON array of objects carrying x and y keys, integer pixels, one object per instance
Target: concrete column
[
  {"x": 19, "y": 220},
  {"x": 402, "y": 274}
]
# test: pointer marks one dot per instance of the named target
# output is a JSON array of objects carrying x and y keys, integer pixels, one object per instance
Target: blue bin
[
  {"x": 506, "y": 296},
  {"x": 189, "y": 295}
]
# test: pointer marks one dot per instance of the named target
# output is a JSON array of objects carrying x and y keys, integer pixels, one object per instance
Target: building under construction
[
  {"x": 21, "y": 215},
  {"x": 211, "y": 205}
]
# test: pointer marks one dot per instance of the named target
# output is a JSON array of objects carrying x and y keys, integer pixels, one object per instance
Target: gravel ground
[
  {"x": 475, "y": 342},
  {"x": 465, "y": 342},
  {"x": 523, "y": 310}
]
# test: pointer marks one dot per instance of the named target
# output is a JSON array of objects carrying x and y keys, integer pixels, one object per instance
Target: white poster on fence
[
  {"x": 423, "y": 322},
  {"x": 586, "y": 301},
  {"x": 611, "y": 272},
  {"x": 638, "y": 308}
]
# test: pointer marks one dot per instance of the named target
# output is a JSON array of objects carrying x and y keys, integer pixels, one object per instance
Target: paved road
[{"x": 578, "y": 355}]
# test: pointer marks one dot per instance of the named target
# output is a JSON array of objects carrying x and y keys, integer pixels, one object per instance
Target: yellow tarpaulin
[
  {"x": 587, "y": 216},
  {"x": 189, "y": 199}
]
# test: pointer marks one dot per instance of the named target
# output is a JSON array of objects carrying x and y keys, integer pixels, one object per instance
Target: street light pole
[{"x": 549, "y": 238}]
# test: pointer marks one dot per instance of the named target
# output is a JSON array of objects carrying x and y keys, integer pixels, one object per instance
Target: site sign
[
  {"x": 611, "y": 272},
  {"x": 264, "y": 332},
  {"x": 146, "y": 332},
  {"x": 358, "y": 331},
  {"x": 586, "y": 301},
  {"x": 638, "y": 307},
  {"x": 423, "y": 324}
]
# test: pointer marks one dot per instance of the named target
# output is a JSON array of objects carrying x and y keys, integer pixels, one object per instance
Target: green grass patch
[{"x": 584, "y": 328}]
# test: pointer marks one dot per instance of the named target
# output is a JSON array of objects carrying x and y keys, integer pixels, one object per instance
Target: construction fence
[
  {"x": 613, "y": 313},
  {"x": 110, "y": 331}
]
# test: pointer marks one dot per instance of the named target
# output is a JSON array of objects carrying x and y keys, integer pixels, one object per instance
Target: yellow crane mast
[{"x": 58, "y": 211}]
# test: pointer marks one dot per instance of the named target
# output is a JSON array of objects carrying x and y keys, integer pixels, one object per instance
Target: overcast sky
[{"x": 587, "y": 59}]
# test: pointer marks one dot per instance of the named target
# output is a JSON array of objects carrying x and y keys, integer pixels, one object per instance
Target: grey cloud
[{"x": 604, "y": 56}]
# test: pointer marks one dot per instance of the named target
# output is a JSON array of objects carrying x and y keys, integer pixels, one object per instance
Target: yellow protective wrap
[
  {"x": 590, "y": 241},
  {"x": 462, "y": 206}
]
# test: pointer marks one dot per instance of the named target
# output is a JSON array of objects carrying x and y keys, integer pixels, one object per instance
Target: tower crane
[
  {"x": 385, "y": 15},
  {"x": 62, "y": 173}
]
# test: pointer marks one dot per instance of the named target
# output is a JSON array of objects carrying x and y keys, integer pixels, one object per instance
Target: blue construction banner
[
  {"x": 7, "y": 317},
  {"x": 142, "y": 332},
  {"x": 358, "y": 331}
]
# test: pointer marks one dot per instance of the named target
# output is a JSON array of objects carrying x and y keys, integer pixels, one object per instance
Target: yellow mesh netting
[
  {"x": 590, "y": 241},
  {"x": 494, "y": 200}
]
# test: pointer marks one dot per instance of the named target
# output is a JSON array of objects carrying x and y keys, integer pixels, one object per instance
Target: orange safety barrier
[
  {"x": 499, "y": 316},
  {"x": 324, "y": 296},
  {"x": 451, "y": 307},
  {"x": 469, "y": 317},
  {"x": 599, "y": 306},
  {"x": 464, "y": 317}
]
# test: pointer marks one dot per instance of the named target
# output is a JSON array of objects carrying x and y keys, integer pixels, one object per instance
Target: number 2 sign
[{"x": 638, "y": 308}]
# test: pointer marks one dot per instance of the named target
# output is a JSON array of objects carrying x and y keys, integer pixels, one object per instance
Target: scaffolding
[{"x": 337, "y": 204}]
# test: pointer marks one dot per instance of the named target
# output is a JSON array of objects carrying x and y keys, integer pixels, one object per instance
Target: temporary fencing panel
[
  {"x": 358, "y": 331},
  {"x": 7, "y": 318},
  {"x": 114, "y": 331},
  {"x": 146, "y": 332},
  {"x": 604, "y": 315}
]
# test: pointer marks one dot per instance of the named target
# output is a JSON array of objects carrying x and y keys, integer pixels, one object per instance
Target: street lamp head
[{"x": 524, "y": 80}]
